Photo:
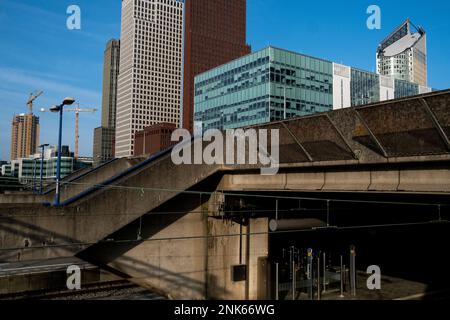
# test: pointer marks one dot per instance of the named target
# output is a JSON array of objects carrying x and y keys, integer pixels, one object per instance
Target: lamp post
[
  {"x": 42, "y": 147},
  {"x": 34, "y": 175},
  {"x": 66, "y": 102}
]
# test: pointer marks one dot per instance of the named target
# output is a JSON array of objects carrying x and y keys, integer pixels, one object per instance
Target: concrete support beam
[
  {"x": 384, "y": 180},
  {"x": 258, "y": 250},
  {"x": 305, "y": 181},
  {"x": 425, "y": 180},
  {"x": 249, "y": 181},
  {"x": 376, "y": 180},
  {"x": 223, "y": 253},
  {"x": 347, "y": 180}
]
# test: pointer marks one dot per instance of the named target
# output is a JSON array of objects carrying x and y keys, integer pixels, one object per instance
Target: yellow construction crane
[
  {"x": 77, "y": 111},
  {"x": 33, "y": 96}
]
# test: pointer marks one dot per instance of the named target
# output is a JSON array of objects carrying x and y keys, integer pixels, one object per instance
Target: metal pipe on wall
[{"x": 295, "y": 224}]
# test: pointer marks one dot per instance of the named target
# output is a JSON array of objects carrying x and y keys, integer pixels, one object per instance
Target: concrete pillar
[{"x": 223, "y": 254}]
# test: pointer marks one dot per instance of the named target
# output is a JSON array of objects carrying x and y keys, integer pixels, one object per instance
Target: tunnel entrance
[{"x": 414, "y": 257}]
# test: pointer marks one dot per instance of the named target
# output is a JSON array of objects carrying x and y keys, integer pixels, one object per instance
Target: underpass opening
[{"x": 404, "y": 235}]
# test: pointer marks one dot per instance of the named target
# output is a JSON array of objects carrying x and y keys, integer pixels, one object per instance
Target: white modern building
[
  {"x": 354, "y": 87},
  {"x": 150, "y": 76},
  {"x": 403, "y": 54}
]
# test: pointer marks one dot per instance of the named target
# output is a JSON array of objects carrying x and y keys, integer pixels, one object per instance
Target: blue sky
[{"x": 37, "y": 51}]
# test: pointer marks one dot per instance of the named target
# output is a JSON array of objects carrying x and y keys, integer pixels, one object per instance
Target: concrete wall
[
  {"x": 175, "y": 268},
  {"x": 182, "y": 253},
  {"x": 168, "y": 254},
  {"x": 198, "y": 267}
]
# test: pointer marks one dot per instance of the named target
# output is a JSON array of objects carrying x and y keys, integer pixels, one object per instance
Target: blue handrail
[
  {"x": 115, "y": 178},
  {"x": 83, "y": 175}
]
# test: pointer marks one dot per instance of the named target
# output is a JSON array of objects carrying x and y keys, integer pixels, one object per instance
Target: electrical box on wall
[{"x": 239, "y": 273}]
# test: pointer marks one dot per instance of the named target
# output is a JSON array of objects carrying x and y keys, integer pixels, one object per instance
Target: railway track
[{"x": 88, "y": 291}]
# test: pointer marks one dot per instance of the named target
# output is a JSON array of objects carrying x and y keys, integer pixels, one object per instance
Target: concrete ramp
[
  {"x": 33, "y": 231},
  {"x": 73, "y": 184}
]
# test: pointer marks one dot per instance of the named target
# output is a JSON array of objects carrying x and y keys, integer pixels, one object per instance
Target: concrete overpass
[{"x": 179, "y": 229}]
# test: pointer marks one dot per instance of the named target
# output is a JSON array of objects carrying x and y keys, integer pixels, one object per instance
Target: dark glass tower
[{"x": 104, "y": 135}]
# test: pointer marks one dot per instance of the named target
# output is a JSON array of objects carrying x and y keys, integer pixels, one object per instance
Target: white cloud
[{"x": 48, "y": 83}]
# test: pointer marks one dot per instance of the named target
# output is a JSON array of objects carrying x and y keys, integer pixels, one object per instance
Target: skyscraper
[
  {"x": 103, "y": 149},
  {"x": 104, "y": 135},
  {"x": 24, "y": 136},
  {"x": 215, "y": 33},
  {"x": 150, "y": 77},
  {"x": 110, "y": 75},
  {"x": 403, "y": 54}
]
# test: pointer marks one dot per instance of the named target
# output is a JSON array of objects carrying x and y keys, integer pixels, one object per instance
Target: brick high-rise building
[
  {"x": 215, "y": 33},
  {"x": 24, "y": 136}
]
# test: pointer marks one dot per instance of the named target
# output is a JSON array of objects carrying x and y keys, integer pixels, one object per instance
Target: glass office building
[
  {"x": 405, "y": 88},
  {"x": 364, "y": 87},
  {"x": 274, "y": 84},
  {"x": 252, "y": 90},
  {"x": 28, "y": 169}
]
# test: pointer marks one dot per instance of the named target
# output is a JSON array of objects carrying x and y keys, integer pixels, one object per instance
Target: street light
[
  {"x": 42, "y": 147},
  {"x": 66, "y": 102},
  {"x": 34, "y": 175}
]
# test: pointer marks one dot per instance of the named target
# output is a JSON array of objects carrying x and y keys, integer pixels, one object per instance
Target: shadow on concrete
[
  {"x": 110, "y": 253},
  {"x": 34, "y": 236}
]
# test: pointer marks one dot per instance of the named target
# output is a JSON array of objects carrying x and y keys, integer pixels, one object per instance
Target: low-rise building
[
  {"x": 7, "y": 170},
  {"x": 28, "y": 169},
  {"x": 153, "y": 139}
]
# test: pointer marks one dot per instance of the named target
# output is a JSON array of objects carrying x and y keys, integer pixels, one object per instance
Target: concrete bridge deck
[{"x": 400, "y": 146}]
